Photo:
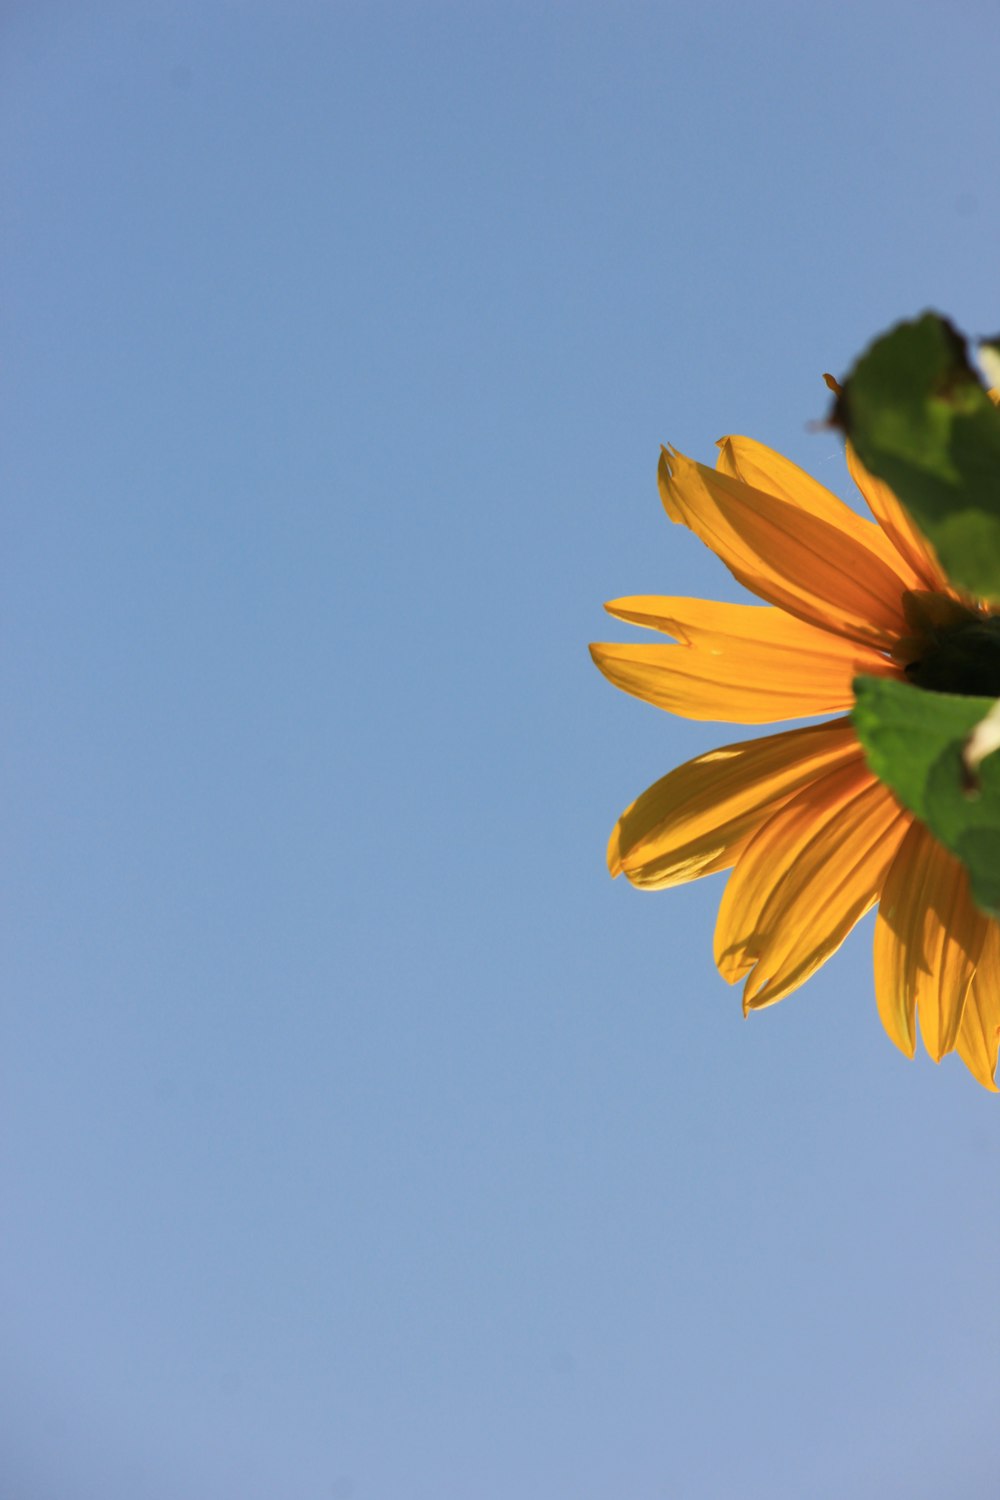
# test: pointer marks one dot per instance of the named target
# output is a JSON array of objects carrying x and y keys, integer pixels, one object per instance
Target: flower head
[{"x": 813, "y": 839}]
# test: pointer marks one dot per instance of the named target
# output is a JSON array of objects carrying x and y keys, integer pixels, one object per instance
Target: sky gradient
[{"x": 360, "y": 1139}]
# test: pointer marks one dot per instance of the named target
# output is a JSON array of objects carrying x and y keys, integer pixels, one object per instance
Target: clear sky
[{"x": 360, "y": 1139}]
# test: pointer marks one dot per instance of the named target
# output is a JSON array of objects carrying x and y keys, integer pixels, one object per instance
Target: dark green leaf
[
  {"x": 914, "y": 741},
  {"x": 969, "y": 825},
  {"x": 921, "y": 419}
]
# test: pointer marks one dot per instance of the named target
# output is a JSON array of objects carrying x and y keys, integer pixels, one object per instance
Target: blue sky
[{"x": 360, "y": 1139}]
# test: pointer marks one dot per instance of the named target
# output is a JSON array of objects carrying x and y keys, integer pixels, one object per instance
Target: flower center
[{"x": 961, "y": 658}]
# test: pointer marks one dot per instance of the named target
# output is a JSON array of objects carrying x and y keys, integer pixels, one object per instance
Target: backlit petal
[
  {"x": 700, "y": 817},
  {"x": 979, "y": 1033},
  {"x": 895, "y": 522},
  {"x": 825, "y": 573},
  {"x": 761, "y": 467},
  {"x": 928, "y": 939},
  {"x": 805, "y": 880},
  {"x": 738, "y": 662}
]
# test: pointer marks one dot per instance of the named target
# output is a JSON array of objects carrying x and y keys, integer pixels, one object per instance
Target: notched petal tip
[
  {"x": 667, "y": 475},
  {"x": 651, "y": 611},
  {"x": 756, "y": 996}
]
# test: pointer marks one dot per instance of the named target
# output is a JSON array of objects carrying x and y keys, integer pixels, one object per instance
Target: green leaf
[
  {"x": 969, "y": 824},
  {"x": 915, "y": 742},
  {"x": 921, "y": 419}
]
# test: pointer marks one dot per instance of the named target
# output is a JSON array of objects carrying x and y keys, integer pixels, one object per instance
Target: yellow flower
[{"x": 812, "y": 837}]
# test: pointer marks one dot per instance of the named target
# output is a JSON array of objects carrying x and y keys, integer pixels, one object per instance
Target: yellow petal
[
  {"x": 928, "y": 938},
  {"x": 699, "y": 818},
  {"x": 805, "y": 880},
  {"x": 895, "y": 522},
  {"x": 738, "y": 662},
  {"x": 823, "y": 571},
  {"x": 763, "y": 469},
  {"x": 979, "y": 1033}
]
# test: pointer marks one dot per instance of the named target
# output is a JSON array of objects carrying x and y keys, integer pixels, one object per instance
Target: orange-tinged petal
[
  {"x": 738, "y": 662},
  {"x": 805, "y": 880},
  {"x": 700, "y": 817},
  {"x": 979, "y": 1033},
  {"x": 763, "y": 469},
  {"x": 910, "y": 543},
  {"x": 928, "y": 938},
  {"x": 824, "y": 573}
]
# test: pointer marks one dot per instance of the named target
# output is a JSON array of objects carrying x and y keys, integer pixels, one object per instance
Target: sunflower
[{"x": 813, "y": 839}]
